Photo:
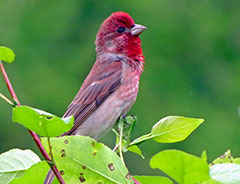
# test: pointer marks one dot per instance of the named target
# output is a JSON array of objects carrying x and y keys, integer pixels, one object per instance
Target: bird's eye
[{"x": 121, "y": 29}]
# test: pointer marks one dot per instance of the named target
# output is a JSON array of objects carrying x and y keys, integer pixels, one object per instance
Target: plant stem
[
  {"x": 33, "y": 134},
  {"x": 120, "y": 143},
  {"x": 7, "y": 100},
  {"x": 50, "y": 150},
  {"x": 135, "y": 181},
  {"x": 9, "y": 86},
  {"x": 116, "y": 147}
]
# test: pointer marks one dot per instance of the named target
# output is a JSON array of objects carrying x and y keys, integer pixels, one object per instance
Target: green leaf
[
  {"x": 204, "y": 155},
  {"x": 226, "y": 173},
  {"x": 211, "y": 181},
  {"x": 125, "y": 148},
  {"x": 6, "y": 54},
  {"x": 127, "y": 125},
  {"x": 225, "y": 158},
  {"x": 136, "y": 149},
  {"x": 153, "y": 180},
  {"x": 81, "y": 158},
  {"x": 35, "y": 174},
  {"x": 182, "y": 167},
  {"x": 43, "y": 123},
  {"x": 236, "y": 160},
  {"x": 14, "y": 163},
  {"x": 171, "y": 129}
]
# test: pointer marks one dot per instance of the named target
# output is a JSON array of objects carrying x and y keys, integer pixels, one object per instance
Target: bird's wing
[{"x": 102, "y": 80}]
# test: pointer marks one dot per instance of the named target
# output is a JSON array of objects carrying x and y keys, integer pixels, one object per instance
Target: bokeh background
[{"x": 192, "y": 51}]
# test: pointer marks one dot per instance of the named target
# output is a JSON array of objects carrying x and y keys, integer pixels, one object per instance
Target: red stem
[
  {"x": 135, "y": 181},
  {"x": 33, "y": 134}
]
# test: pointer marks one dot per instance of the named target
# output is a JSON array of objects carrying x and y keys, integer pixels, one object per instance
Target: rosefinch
[{"x": 111, "y": 87}]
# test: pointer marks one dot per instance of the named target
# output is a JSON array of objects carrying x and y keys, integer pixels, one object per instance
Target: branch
[
  {"x": 33, "y": 134},
  {"x": 135, "y": 181}
]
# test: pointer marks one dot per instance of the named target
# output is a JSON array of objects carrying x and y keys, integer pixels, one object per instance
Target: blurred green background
[{"x": 192, "y": 51}]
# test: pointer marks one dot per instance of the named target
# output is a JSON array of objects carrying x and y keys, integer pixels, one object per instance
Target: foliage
[
  {"x": 153, "y": 179},
  {"x": 29, "y": 176},
  {"x": 15, "y": 162},
  {"x": 101, "y": 164},
  {"x": 171, "y": 129},
  {"x": 98, "y": 163},
  {"x": 226, "y": 173},
  {"x": 6, "y": 54},
  {"x": 182, "y": 167},
  {"x": 41, "y": 122}
]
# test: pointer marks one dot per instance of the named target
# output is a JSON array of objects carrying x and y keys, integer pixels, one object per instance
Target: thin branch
[
  {"x": 7, "y": 100},
  {"x": 10, "y": 88},
  {"x": 33, "y": 134},
  {"x": 116, "y": 147}
]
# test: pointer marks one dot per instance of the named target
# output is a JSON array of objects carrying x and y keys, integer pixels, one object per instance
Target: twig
[
  {"x": 10, "y": 88},
  {"x": 7, "y": 100},
  {"x": 116, "y": 147},
  {"x": 33, "y": 134}
]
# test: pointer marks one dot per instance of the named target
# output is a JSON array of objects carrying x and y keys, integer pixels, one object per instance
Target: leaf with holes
[
  {"x": 6, "y": 54},
  {"x": 225, "y": 158},
  {"x": 82, "y": 159},
  {"x": 171, "y": 129},
  {"x": 182, "y": 167},
  {"x": 14, "y": 163},
  {"x": 41, "y": 122}
]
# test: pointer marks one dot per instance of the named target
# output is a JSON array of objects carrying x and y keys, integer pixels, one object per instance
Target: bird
[{"x": 111, "y": 87}]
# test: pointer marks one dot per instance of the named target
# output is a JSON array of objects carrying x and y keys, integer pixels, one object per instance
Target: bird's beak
[{"x": 137, "y": 29}]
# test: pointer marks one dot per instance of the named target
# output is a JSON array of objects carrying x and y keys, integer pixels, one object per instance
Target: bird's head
[{"x": 119, "y": 34}]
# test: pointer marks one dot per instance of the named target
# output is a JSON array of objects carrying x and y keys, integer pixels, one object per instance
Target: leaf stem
[
  {"x": 141, "y": 139},
  {"x": 120, "y": 141},
  {"x": 50, "y": 150},
  {"x": 33, "y": 134}
]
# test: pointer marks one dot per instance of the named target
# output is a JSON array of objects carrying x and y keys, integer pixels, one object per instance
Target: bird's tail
[{"x": 49, "y": 178}]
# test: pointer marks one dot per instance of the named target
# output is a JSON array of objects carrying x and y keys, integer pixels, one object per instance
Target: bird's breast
[{"x": 116, "y": 105}]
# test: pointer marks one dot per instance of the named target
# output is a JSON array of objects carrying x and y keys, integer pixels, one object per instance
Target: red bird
[{"x": 111, "y": 87}]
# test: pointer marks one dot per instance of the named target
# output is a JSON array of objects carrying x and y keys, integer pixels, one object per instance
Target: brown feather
[{"x": 95, "y": 89}]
